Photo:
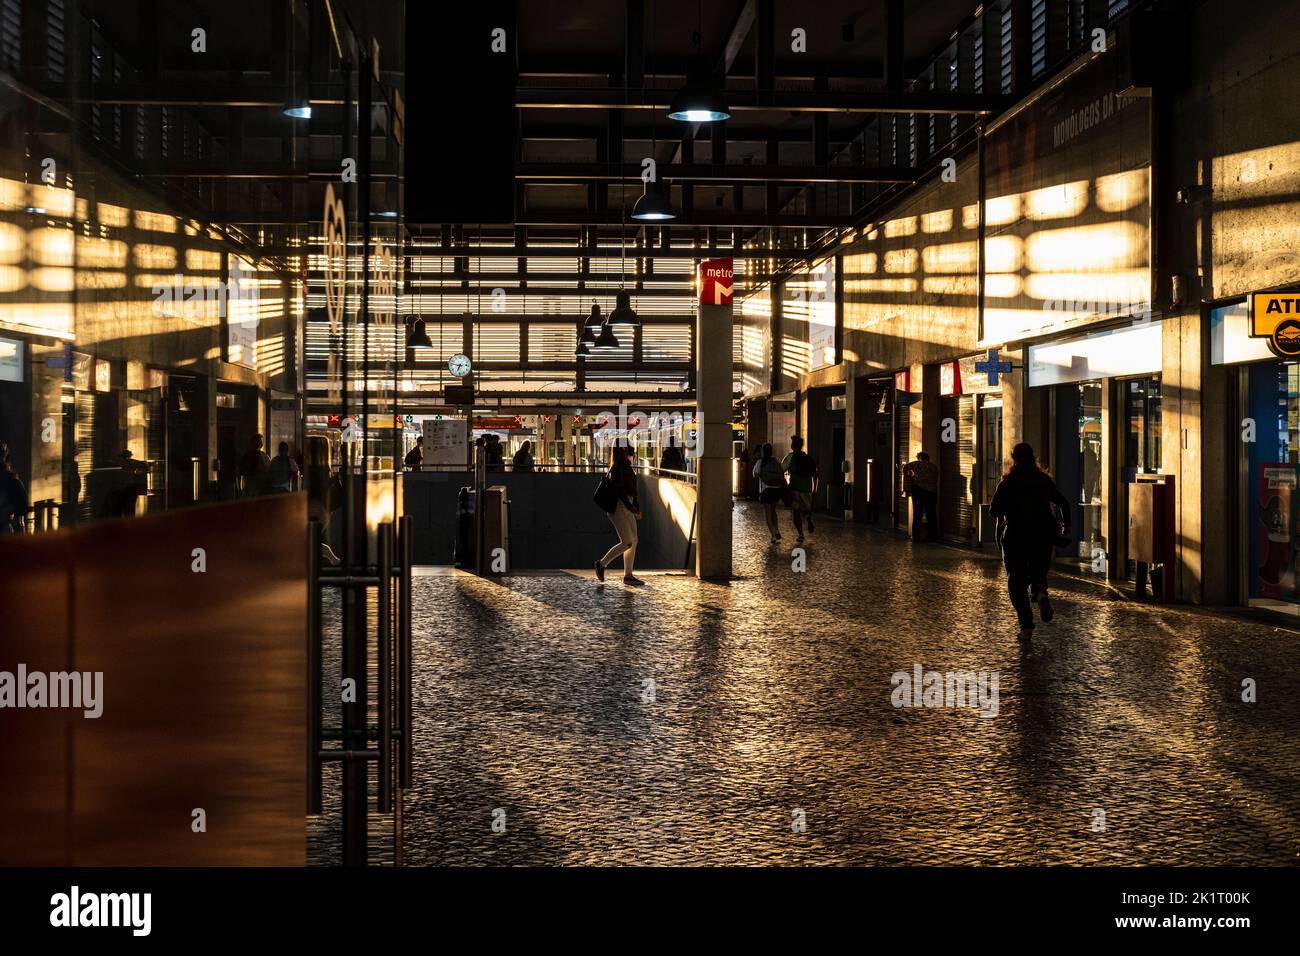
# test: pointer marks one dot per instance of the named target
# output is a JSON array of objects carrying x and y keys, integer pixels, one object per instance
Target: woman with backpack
[
  {"x": 616, "y": 495},
  {"x": 772, "y": 489}
]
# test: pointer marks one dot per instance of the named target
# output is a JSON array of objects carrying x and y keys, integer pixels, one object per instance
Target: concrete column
[
  {"x": 923, "y": 416},
  {"x": 856, "y": 446},
  {"x": 565, "y": 422},
  {"x": 713, "y": 465}
]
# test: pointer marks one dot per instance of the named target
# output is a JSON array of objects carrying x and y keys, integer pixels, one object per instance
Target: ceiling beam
[
  {"x": 420, "y": 248},
  {"x": 698, "y": 219},
  {"x": 701, "y": 172},
  {"x": 795, "y": 101}
]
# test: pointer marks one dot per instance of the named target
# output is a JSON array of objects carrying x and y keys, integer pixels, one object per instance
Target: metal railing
[
  {"x": 391, "y": 577},
  {"x": 579, "y": 468}
]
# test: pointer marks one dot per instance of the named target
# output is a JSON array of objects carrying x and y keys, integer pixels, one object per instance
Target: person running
[
  {"x": 1028, "y": 530},
  {"x": 802, "y": 469},
  {"x": 771, "y": 487},
  {"x": 921, "y": 479},
  {"x": 624, "y": 513}
]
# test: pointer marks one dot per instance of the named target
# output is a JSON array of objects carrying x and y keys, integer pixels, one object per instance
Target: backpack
[{"x": 802, "y": 465}]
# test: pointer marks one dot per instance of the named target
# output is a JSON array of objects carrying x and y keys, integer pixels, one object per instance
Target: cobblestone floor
[{"x": 772, "y": 695}]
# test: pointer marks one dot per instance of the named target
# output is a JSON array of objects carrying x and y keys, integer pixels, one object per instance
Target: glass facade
[{"x": 1273, "y": 403}]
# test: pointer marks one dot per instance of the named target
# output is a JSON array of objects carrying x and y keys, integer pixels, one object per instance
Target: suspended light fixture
[
  {"x": 699, "y": 101},
  {"x": 654, "y": 204},
  {"x": 582, "y": 351},
  {"x": 588, "y": 333},
  {"x": 417, "y": 336},
  {"x": 594, "y": 320},
  {"x": 606, "y": 339},
  {"x": 623, "y": 313}
]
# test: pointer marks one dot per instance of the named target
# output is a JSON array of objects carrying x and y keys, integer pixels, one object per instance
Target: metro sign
[{"x": 716, "y": 281}]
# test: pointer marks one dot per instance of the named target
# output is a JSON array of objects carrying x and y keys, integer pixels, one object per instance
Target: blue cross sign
[{"x": 994, "y": 367}]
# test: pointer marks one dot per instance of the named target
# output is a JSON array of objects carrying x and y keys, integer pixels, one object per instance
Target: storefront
[
  {"x": 1105, "y": 433},
  {"x": 1266, "y": 468}
]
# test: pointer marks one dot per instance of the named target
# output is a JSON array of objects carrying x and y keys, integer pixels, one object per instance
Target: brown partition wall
[{"x": 197, "y": 621}]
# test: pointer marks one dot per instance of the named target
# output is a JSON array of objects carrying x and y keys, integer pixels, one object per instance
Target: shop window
[{"x": 1273, "y": 462}]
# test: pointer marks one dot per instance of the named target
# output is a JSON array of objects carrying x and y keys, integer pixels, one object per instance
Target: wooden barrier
[{"x": 196, "y": 620}]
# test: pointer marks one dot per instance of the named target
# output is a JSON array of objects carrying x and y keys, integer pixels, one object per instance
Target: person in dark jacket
[
  {"x": 671, "y": 459},
  {"x": 523, "y": 459},
  {"x": 1028, "y": 530},
  {"x": 626, "y": 513},
  {"x": 13, "y": 496}
]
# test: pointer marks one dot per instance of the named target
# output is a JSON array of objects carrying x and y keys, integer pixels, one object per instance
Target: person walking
[
  {"x": 1028, "y": 531},
  {"x": 283, "y": 476},
  {"x": 921, "y": 480},
  {"x": 255, "y": 468},
  {"x": 771, "y": 487},
  {"x": 617, "y": 496},
  {"x": 523, "y": 458},
  {"x": 802, "y": 469}
]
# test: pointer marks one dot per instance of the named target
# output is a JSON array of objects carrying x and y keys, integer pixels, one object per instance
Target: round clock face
[{"x": 458, "y": 365}]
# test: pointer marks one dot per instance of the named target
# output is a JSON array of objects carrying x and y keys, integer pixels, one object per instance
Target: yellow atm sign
[{"x": 1276, "y": 316}]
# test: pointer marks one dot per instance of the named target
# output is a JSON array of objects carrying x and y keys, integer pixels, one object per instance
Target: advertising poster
[{"x": 1275, "y": 569}]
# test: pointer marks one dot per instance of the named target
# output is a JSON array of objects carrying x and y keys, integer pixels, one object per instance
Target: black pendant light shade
[
  {"x": 654, "y": 204},
  {"x": 582, "y": 351},
  {"x": 594, "y": 320},
  {"x": 623, "y": 314},
  {"x": 416, "y": 336},
  {"x": 588, "y": 334},
  {"x": 606, "y": 339}
]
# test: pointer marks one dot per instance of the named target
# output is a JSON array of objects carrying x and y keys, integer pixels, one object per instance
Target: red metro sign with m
[{"x": 716, "y": 277}]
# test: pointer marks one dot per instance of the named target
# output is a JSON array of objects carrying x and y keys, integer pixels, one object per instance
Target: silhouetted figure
[
  {"x": 255, "y": 469},
  {"x": 671, "y": 458},
  {"x": 1028, "y": 531},
  {"x": 13, "y": 496},
  {"x": 771, "y": 487},
  {"x": 132, "y": 482},
  {"x": 284, "y": 470},
  {"x": 496, "y": 456},
  {"x": 523, "y": 459},
  {"x": 415, "y": 457},
  {"x": 324, "y": 493},
  {"x": 617, "y": 497},
  {"x": 802, "y": 469},
  {"x": 921, "y": 479}
]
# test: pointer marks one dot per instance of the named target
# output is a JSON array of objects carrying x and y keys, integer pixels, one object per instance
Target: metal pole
[
  {"x": 313, "y": 667},
  {"x": 383, "y": 635},
  {"x": 406, "y": 528}
]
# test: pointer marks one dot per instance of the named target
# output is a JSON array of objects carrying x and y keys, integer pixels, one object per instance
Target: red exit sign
[{"x": 716, "y": 281}]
